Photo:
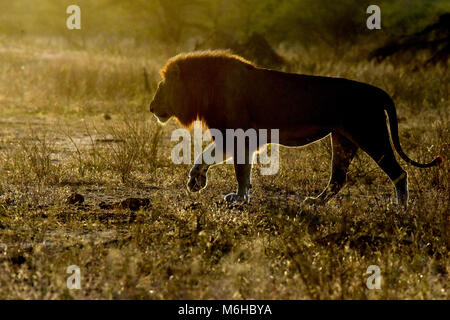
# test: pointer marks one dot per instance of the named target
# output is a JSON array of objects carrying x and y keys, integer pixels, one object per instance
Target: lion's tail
[{"x": 389, "y": 106}]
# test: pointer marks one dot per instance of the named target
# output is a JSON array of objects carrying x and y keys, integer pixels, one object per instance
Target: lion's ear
[{"x": 174, "y": 71}]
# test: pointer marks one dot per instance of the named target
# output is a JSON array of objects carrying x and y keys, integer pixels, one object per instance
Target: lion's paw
[
  {"x": 196, "y": 182},
  {"x": 234, "y": 197}
]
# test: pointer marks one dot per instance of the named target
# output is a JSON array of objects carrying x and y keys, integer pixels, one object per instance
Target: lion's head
[
  {"x": 191, "y": 83},
  {"x": 168, "y": 99}
]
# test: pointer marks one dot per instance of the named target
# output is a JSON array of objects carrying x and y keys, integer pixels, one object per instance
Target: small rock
[
  {"x": 75, "y": 198},
  {"x": 18, "y": 259},
  {"x": 134, "y": 204}
]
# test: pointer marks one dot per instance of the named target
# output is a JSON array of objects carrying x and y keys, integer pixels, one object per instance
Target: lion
[{"x": 225, "y": 91}]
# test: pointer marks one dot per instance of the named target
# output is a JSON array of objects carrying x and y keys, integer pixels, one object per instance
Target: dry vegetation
[{"x": 77, "y": 121}]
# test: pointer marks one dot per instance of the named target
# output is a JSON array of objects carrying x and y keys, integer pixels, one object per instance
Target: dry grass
[{"x": 56, "y": 138}]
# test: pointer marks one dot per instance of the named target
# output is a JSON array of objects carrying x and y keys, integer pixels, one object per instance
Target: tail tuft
[{"x": 438, "y": 161}]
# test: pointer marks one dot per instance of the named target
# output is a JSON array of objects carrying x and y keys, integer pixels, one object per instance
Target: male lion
[{"x": 226, "y": 91}]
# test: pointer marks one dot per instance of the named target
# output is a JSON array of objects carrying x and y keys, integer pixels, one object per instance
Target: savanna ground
[{"x": 77, "y": 121}]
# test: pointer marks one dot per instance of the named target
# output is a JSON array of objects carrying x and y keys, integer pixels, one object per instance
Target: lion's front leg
[
  {"x": 243, "y": 176},
  {"x": 197, "y": 177},
  {"x": 243, "y": 170},
  {"x": 198, "y": 173}
]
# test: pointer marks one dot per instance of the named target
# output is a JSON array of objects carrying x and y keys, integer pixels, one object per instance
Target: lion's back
[{"x": 228, "y": 91}]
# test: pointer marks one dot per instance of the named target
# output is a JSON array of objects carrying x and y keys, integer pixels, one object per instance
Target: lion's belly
[{"x": 301, "y": 135}]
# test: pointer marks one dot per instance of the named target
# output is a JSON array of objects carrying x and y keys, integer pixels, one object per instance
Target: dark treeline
[{"x": 197, "y": 24}]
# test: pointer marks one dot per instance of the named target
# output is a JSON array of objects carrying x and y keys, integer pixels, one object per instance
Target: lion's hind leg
[
  {"x": 343, "y": 152},
  {"x": 375, "y": 142}
]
